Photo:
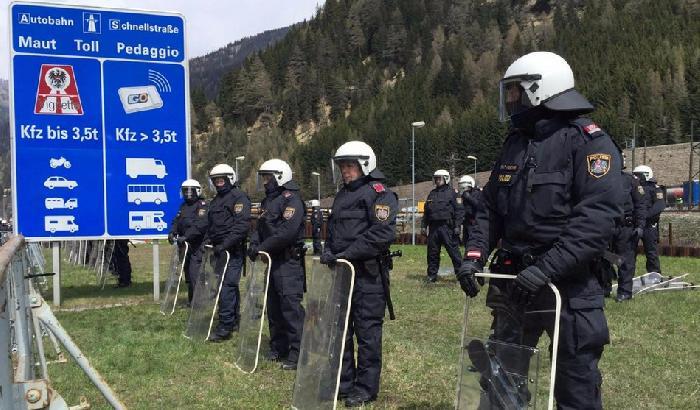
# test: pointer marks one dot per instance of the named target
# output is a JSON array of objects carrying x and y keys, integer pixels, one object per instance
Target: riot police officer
[
  {"x": 442, "y": 218},
  {"x": 551, "y": 200},
  {"x": 229, "y": 222},
  {"x": 316, "y": 224},
  {"x": 628, "y": 232},
  {"x": 471, "y": 199},
  {"x": 280, "y": 233},
  {"x": 655, "y": 200},
  {"x": 361, "y": 227},
  {"x": 121, "y": 263},
  {"x": 190, "y": 225}
]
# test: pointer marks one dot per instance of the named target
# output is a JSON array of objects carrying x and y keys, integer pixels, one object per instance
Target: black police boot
[
  {"x": 289, "y": 365},
  {"x": 274, "y": 356},
  {"x": 219, "y": 336},
  {"x": 359, "y": 399},
  {"x": 621, "y": 297},
  {"x": 123, "y": 285},
  {"x": 431, "y": 279}
]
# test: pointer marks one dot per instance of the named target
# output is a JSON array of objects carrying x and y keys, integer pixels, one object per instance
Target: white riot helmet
[
  {"x": 223, "y": 170},
  {"x": 539, "y": 78},
  {"x": 644, "y": 171},
  {"x": 314, "y": 203},
  {"x": 357, "y": 151},
  {"x": 278, "y": 168},
  {"x": 191, "y": 189},
  {"x": 442, "y": 173},
  {"x": 466, "y": 182}
]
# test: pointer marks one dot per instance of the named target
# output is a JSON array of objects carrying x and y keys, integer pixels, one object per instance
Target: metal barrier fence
[{"x": 25, "y": 319}]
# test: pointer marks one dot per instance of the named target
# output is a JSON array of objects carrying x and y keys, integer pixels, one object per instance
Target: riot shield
[
  {"x": 104, "y": 262},
  {"x": 663, "y": 282},
  {"x": 500, "y": 360},
  {"x": 172, "y": 284},
  {"x": 206, "y": 294},
  {"x": 322, "y": 344},
  {"x": 253, "y": 314}
]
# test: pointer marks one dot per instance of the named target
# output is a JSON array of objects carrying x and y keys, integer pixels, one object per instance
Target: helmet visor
[
  {"x": 189, "y": 192},
  {"x": 262, "y": 178},
  {"x": 512, "y": 98}
]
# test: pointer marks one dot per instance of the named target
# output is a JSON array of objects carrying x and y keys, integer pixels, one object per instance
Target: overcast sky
[{"x": 210, "y": 23}]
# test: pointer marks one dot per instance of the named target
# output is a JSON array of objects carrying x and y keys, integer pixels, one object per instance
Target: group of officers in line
[{"x": 554, "y": 203}]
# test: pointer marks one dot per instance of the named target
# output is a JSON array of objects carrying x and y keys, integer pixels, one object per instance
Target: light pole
[
  {"x": 318, "y": 179},
  {"x": 414, "y": 125},
  {"x": 474, "y": 158},
  {"x": 241, "y": 158}
]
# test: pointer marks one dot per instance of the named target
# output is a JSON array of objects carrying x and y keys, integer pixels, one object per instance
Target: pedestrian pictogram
[{"x": 57, "y": 92}]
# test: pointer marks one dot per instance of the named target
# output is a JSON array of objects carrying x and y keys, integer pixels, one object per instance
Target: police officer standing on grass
[
  {"x": 471, "y": 199},
  {"x": 551, "y": 200},
  {"x": 442, "y": 218},
  {"x": 280, "y": 233},
  {"x": 655, "y": 200},
  {"x": 229, "y": 222},
  {"x": 360, "y": 229},
  {"x": 316, "y": 225},
  {"x": 628, "y": 232},
  {"x": 190, "y": 225},
  {"x": 121, "y": 263}
]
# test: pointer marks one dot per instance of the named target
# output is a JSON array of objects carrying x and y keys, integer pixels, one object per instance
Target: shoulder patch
[
  {"x": 459, "y": 200},
  {"x": 286, "y": 194},
  {"x": 382, "y": 212},
  {"x": 640, "y": 189},
  {"x": 288, "y": 213},
  {"x": 599, "y": 164},
  {"x": 238, "y": 208},
  {"x": 659, "y": 195},
  {"x": 202, "y": 212},
  {"x": 591, "y": 128},
  {"x": 378, "y": 187}
]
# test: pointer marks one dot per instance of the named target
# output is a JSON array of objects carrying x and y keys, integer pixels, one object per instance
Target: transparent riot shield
[
  {"x": 253, "y": 314},
  {"x": 104, "y": 262},
  {"x": 172, "y": 284},
  {"x": 659, "y": 282},
  {"x": 501, "y": 354},
  {"x": 327, "y": 311},
  {"x": 206, "y": 294}
]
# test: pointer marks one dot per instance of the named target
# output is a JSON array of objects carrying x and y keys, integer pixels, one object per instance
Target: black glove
[
  {"x": 528, "y": 284},
  {"x": 329, "y": 259},
  {"x": 253, "y": 252},
  {"x": 466, "y": 278},
  {"x": 457, "y": 230},
  {"x": 639, "y": 232},
  {"x": 181, "y": 240},
  {"x": 171, "y": 238}
]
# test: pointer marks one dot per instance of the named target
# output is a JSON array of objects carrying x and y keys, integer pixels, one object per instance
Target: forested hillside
[
  {"x": 4, "y": 135},
  {"x": 368, "y": 68}
]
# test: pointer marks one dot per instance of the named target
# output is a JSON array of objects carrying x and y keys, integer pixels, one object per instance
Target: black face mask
[
  {"x": 526, "y": 119},
  {"x": 224, "y": 188},
  {"x": 271, "y": 186}
]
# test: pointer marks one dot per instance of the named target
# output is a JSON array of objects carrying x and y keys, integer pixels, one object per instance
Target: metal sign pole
[
  {"x": 56, "y": 253},
  {"x": 156, "y": 272}
]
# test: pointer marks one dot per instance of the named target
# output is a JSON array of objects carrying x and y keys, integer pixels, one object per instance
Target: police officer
[
  {"x": 442, "y": 218},
  {"x": 628, "y": 232},
  {"x": 655, "y": 199},
  {"x": 229, "y": 222},
  {"x": 471, "y": 199},
  {"x": 361, "y": 227},
  {"x": 551, "y": 200},
  {"x": 280, "y": 232},
  {"x": 190, "y": 225},
  {"x": 316, "y": 224},
  {"x": 121, "y": 262}
]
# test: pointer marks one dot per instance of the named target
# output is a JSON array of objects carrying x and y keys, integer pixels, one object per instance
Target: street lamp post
[
  {"x": 241, "y": 158},
  {"x": 318, "y": 179},
  {"x": 474, "y": 158},
  {"x": 414, "y": 125}
]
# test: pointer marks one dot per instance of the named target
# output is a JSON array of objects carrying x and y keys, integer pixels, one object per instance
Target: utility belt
[
  {"x": 296, "y": 252},
  {"x": 507, "y": 262}
]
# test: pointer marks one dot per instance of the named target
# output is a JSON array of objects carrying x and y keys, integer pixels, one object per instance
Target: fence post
[{"x": 670, "y": 234}]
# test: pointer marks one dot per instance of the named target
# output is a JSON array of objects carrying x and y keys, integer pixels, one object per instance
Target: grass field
[{"x": 652, "y": 361}]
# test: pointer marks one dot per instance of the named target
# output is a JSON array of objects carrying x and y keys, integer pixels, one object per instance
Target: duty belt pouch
[{"x": 504, "y": 262}]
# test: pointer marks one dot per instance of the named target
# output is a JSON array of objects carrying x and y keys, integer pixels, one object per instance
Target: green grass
[{"x": 652, "y": 361}]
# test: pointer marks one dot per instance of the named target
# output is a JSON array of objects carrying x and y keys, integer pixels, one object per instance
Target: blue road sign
[{"x": 100, "y": 121}]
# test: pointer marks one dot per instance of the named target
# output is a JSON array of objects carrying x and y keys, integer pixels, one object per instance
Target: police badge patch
[
  {"x": 238, "y": 208},
  {"x": 641, "y": 190},
  {"x": 599, "y": 164},
  {"x": 288, "y": 213},
  {"x": 382, "y": 212},
  {"x": 202, "y": 212}
]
